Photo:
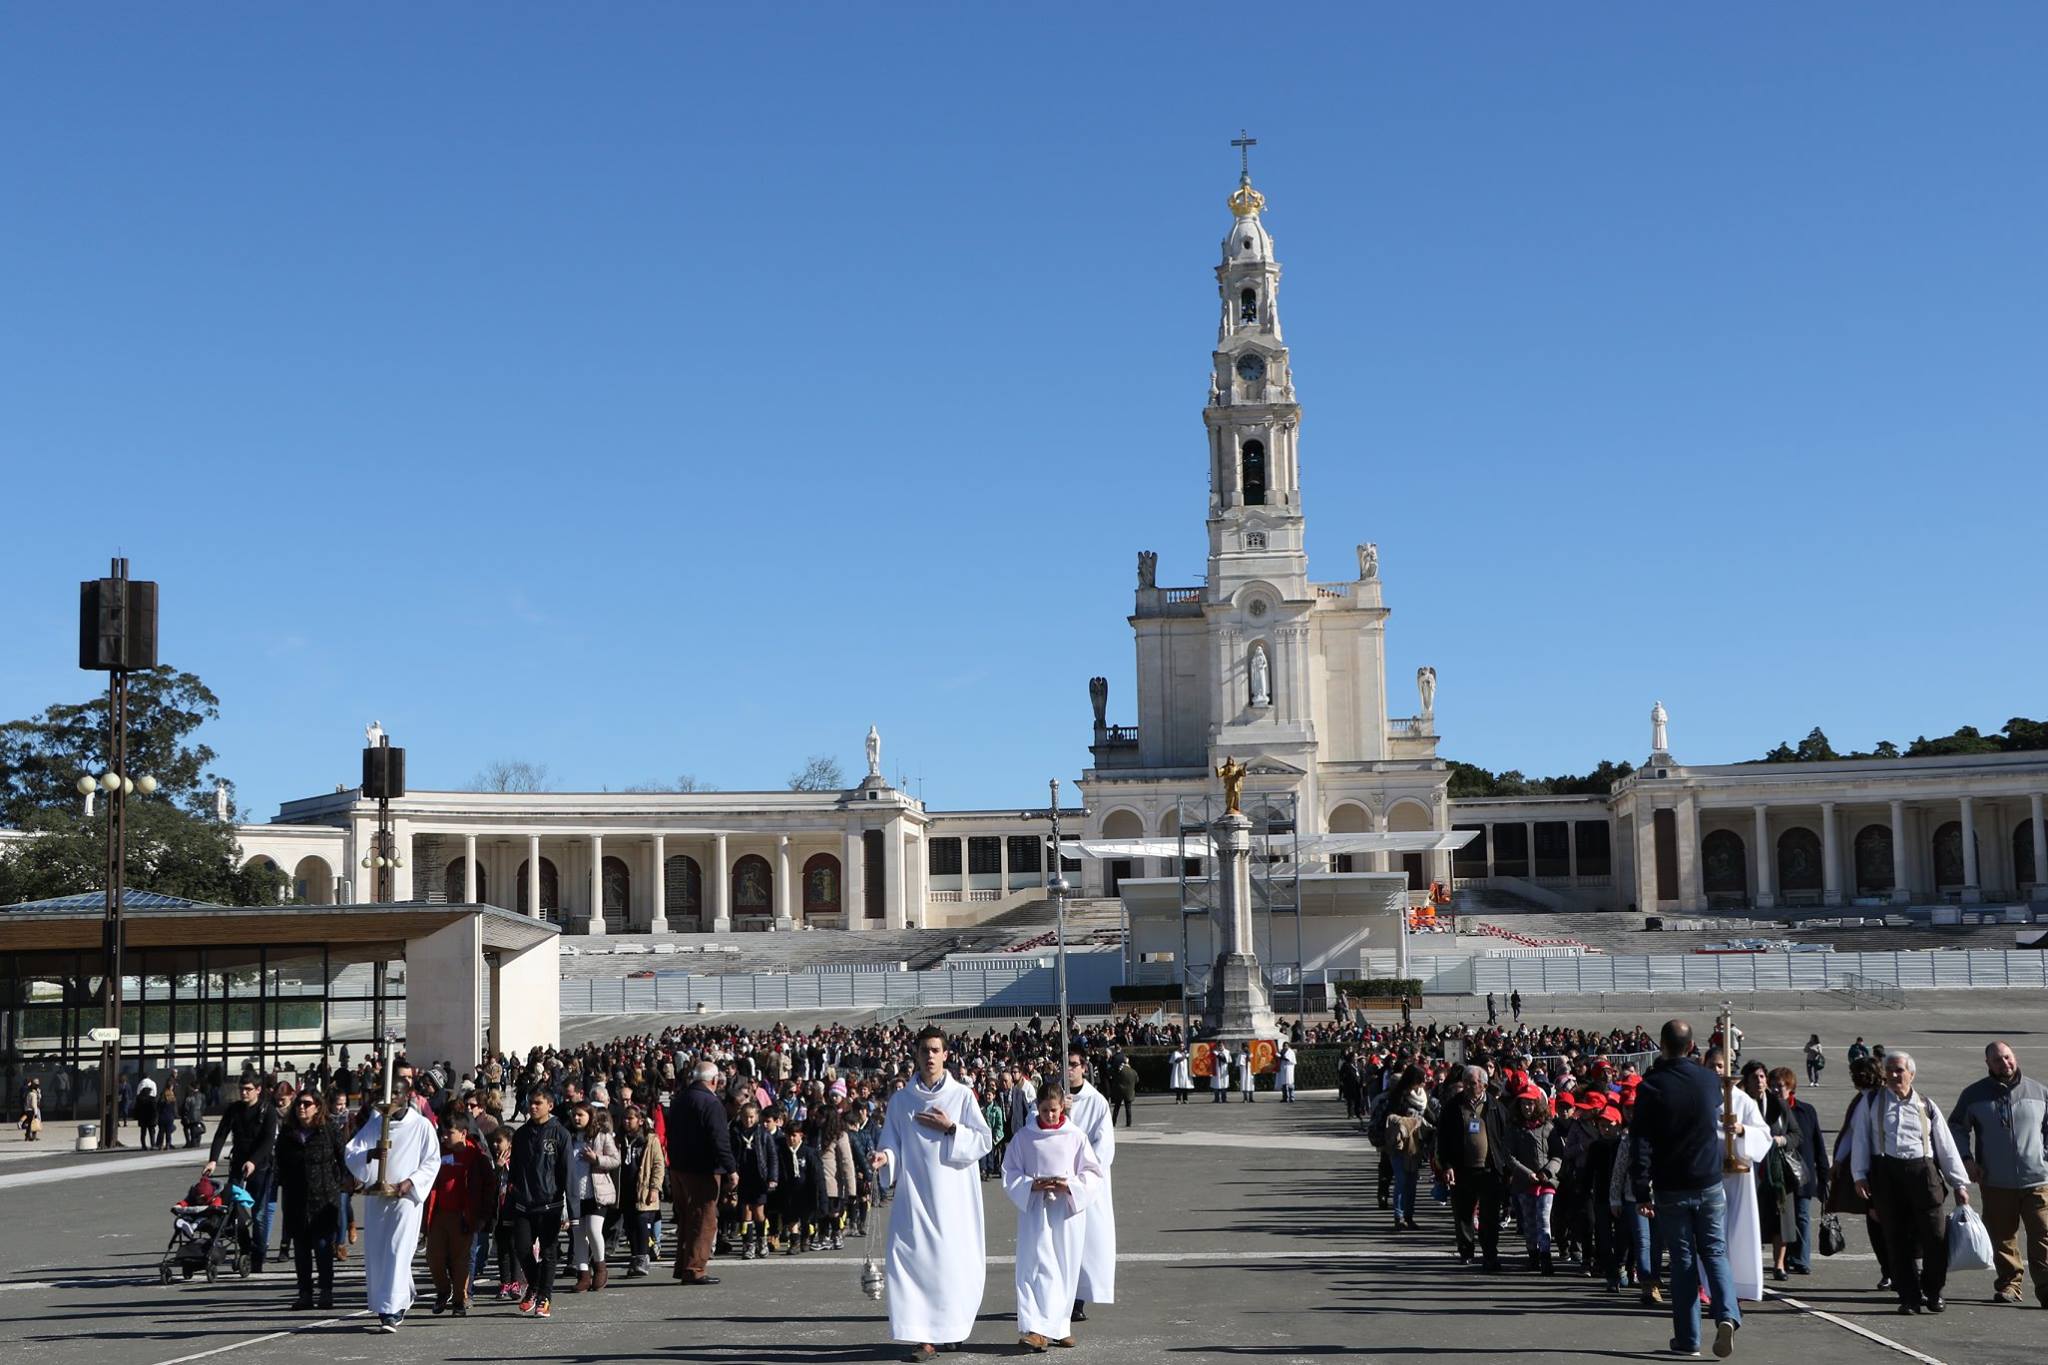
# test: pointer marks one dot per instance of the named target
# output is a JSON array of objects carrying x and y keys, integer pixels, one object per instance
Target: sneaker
[
  {"x": 527, "y": 1305},
  {"x": 386, "y": 1322},
  {"x": 2006, "y": 1296},
  {"x": 1724, "y": 1338},
  {"x": 543, "y": 1309}
]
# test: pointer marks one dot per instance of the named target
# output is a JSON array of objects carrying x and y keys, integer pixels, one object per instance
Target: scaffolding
[{"x": 1275, "y": 862}]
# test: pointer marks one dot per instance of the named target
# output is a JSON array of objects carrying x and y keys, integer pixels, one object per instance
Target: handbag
[{"x": 1832, "y": 1238}]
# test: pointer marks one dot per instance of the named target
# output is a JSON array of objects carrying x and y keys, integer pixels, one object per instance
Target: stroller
[{"x": 209, "y": 1232}]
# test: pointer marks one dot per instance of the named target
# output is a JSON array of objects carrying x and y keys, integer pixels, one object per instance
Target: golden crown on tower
[{"x": 1246, "y": 202}]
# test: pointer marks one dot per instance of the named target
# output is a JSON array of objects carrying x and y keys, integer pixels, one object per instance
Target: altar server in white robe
[
  {"x": 1051, "y": 1174},
  {"x": 1752, "y": 1144},
  {"x": 1246, "y": 1073},
  {"x": 391, "y": 1224},
  {"x": 1219, "y": 1073},
  {"x": 934, "y": 1137},
  {"x": 1090, "y": 1113}
]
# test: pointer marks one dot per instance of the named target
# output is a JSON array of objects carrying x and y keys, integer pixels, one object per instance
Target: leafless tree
[
  {"x": 511, "y": 775},
  {"x": 820, "y": 773},
  {"x": 686, "y": 782}
]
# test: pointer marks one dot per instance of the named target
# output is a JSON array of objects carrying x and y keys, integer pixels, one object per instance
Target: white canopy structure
[{"x": 1309, "y": 845}]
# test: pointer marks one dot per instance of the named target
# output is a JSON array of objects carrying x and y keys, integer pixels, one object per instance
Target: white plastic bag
[{"x": 1969, "y": 1245}]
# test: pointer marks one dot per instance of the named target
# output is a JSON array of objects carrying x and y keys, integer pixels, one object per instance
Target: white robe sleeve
[
  {"x": 361, "y": 1153},
  {"x": 1084, "y": 1181},
  {"x": 1755, "y": 1143},
  {"x": 423, "y": 1161},
  {"x": 970, "y": 1139},
  {"x": 1016, "y": 1178},
  {"x": 1101, "y": 1132}
]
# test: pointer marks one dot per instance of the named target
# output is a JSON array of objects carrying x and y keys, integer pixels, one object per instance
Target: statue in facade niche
[
  {"x": 1098, "y": 697},
  {"x": 1148, "y": 568},
  {"x": 1659, "y": 718},
  {"x": 1262, "y": 676},
  {"x": 220, "y": 799},
  {"x": 1425, "y": 683},
  {"x": 1368, "y": 561},
  {"x": 874, "y": 752}
]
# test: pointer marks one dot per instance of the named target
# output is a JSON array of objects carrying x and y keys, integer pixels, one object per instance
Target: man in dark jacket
[
  {"x": 248, "y": 1128},
  {"x": 1468, "y": 1155},
  {"x": 534, "y": 1190},
  {"x": 701, "y": 1166},
  {"x": 1677, "y": 1153}
]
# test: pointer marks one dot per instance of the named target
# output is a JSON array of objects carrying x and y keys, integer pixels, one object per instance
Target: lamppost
[
  {"x": 1059, "y": 888},
  {"x": 383, "y": 779},
  {"x": 116, "y": 633}
]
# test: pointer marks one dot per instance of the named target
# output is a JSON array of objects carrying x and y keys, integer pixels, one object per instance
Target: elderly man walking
[
  {"x": 2000, "y": 1124},
  {"x": 1470, "y": 1147},
  {"x": 701, "y": 1164},
  {"x": 1677, "y": 1154},
  {"x": 1905, "y": 1163}
]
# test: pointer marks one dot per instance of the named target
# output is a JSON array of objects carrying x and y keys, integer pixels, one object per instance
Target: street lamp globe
[
  {"x": 88, "y": 784},
  {"x": 366, "y": 860},
  {"x": 127, "y": 785},
  {"x": 1059, "y": 886},
  {"x": 145, "y": 784},
  {"x": 110, "y": 780}
]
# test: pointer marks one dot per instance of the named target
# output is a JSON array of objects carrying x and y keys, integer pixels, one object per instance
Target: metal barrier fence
[
  {"x": 1736, "y": 972},
  {"x": 1025, "y": 983}
]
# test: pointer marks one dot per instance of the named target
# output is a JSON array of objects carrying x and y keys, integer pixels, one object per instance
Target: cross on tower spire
[{"x": 1244, "y": 145}]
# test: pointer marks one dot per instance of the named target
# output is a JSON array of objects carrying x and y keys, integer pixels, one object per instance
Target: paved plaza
[{"x": 1246, "y": 1232}]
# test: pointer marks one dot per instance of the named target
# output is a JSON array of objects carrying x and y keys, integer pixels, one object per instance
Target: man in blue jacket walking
[{"x": 1676, "y": 1175}]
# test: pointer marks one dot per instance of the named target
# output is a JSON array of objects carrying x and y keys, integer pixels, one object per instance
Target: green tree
[
  {"x": 1815, "y": 748},
  {"x": 2023, "y": 734},
  {"x": 1966, "y": 740},
  {"x": 42, "y": 758},
  {"x": 168, "y": 851},
  {"x": 175, "y": 846}
]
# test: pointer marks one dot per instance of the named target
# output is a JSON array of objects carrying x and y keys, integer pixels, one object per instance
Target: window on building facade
[
  {"x": 1024, "y": 853},
  {"x": 1255, "y": 540},
  {"x": 942, "y": 857},
  {"x": 984, "y": 853},
  {"x": 1254, "y": 462},
  {"x": 1248, "y": 306},
  {"x": 874, "y": 879},
  {"x": 1596, "y": 854}
]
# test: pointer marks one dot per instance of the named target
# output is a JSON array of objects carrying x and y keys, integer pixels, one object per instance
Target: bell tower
[{"x": 1255, "y": 523}]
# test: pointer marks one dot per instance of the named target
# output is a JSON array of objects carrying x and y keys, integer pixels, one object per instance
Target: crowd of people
[
  {"x": 1691, "y": 1179},
  {"x": 1605, "y": 1152}
]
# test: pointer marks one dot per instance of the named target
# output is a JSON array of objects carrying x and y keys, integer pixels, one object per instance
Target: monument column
[
  {"x": 1529, "y": 836},
  {"x": 721, "y": 887},
  {"x": 1972, "y": 891},
  {"x": 1238, "y": 1007},
  {"x": 2040, "y": 833},
  {"x": 783, "y": 919},
  {"x": 1571, "y": 851},
  {"x": 469, "y": 869},
  {"x": 1489, "y": 853},
  {"x": 1830, "y": 856},
  {"x": 533, "y": 875},
  {"x": 595, "y": 925},
  {"x": 1902, "y": 866},
  {"x": 659, "y": 923},
  {"x": 1766, "y": 885}
]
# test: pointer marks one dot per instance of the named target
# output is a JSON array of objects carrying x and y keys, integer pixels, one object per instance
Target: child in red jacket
[{"x": 462, "y": 1200}]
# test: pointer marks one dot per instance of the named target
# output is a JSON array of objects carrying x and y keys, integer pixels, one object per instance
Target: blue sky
[{"x": 647, "y": 389}]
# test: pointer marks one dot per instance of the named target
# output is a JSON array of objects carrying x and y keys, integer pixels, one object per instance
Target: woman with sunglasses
[{"x": 310, "y": 1170}]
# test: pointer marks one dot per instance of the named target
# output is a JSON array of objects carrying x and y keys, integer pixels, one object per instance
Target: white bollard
[{"x": 88, "y": 1137}]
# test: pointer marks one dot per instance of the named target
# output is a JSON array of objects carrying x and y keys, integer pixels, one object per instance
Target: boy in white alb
[{"x": 1051, "y": 1175}]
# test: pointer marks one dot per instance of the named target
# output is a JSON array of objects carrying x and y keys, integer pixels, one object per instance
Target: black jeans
[
  {"x": 543, "y": 1227},
  {"x": 1907, "y": 1195},
  {"x": 313, "y": 1246},
  {"x": 1476, "y": 1191}
]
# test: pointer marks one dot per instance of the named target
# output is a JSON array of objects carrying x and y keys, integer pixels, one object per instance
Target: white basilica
[{"x": 1258, "y": 662}]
